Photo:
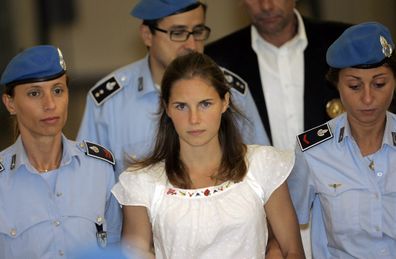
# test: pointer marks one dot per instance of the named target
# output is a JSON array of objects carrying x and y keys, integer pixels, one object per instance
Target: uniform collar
[
  {"x": 21, "y": 158},
  {"x": 343, "y": 130},
  {"x": 390, "y": 131},
  {"x": 142, "y": 78}
]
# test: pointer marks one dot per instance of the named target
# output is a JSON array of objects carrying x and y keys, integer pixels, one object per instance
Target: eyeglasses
[{"x": 199, "y": 33}]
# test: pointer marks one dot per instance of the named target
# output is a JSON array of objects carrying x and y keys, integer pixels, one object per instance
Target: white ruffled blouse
[{"x": 223, "y": 221}]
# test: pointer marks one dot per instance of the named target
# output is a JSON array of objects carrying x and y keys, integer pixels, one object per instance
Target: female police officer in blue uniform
[
  {"x": 54, "y": 193},
  {"x": 346, "y": 169}
]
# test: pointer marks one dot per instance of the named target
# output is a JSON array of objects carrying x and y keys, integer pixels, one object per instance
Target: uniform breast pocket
[
  {"x": 25, "y": 237},
  {"x": 389, "y": 204},
  {"x": 342, "y": 206},
  {"x": 86, "y": 223}
]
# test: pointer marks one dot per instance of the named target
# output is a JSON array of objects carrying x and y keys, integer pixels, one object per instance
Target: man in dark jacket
[{"x": 282, "y": 57}]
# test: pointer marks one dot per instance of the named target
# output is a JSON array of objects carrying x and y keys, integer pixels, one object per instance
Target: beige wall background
[{"x": 103, "y": 37}]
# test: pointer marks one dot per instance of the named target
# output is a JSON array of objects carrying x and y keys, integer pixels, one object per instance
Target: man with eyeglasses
[{"x": 121, "y": 108}]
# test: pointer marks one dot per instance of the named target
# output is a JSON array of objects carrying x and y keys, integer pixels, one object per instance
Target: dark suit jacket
[{"x": 235, "y": 53}]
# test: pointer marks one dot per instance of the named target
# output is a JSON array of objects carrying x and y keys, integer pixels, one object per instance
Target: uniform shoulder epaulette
[
  {"x": 235, "y": 81},
  {"x": 105, "y": 90},
  {"x": 1, "y": 167},
  {"x": 314, "y": 136},
  {"x": 98, "y": 151}
]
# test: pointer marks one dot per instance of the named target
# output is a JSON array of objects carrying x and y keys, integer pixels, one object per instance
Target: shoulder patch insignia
[
  {"x": 314, "y": 136},
  {"x": 98, "y": 151},
  {"x": 234, "y": 80},
  {"x": 105, "y": 90},
  {"x": 1, "y": 167}
]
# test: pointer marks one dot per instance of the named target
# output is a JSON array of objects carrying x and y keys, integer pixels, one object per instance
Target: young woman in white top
[{"x": 202, "y": 193}]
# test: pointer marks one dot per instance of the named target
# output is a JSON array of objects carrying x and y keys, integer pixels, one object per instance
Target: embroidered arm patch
[
  {"x": 314, "y": 136},
  {"x": 105, "y": 90},
  {"x": 98, "y": 151}
]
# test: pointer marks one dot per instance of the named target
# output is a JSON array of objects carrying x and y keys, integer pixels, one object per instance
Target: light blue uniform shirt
[
  {"x": 353, "y": 206},
  {"x": 121, "y": 113},
  {"x": 37, "y": 222}
]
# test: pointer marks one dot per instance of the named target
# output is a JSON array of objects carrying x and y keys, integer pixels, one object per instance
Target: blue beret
[
  {"x": 156, "y": 9},
  {"x": 35, "y": 64},
  {"x": 364, "y": 45}
]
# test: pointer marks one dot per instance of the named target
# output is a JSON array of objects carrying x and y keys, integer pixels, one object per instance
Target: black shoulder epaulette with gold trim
[
  {"x": 98, "y": 151},
  {"x": 235, "y": 81},
  {"x": 314, "y": 136},
  {"x": 105, "y": 90}
]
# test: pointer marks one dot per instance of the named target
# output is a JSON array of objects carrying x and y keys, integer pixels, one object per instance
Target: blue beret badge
[
  {"x": 386, "y": 47},
  {"x": 62, "y": 62}
]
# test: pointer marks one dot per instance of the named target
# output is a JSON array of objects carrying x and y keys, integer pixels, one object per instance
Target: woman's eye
[
  {"x": 180, "y": 106},
  {"x": 58, "y": 91},
  {"x": 379, "y": 85},
  {"x": 206, "y": 104},
  {"x": 33, "y": 93},
  {"x": 354, "y": 87}
]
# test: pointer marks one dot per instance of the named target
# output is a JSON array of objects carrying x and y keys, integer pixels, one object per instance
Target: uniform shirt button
[
  {"x": 383, "y": 251},
  {"x": 123, "y": 78},
  {"x": 56, "y": 223},
  {"x": 58, "y": 194},
  {"x": 61, "y": 253},
  {"x": 379, "y": 174},
  {"x": 13, "y": 232}
]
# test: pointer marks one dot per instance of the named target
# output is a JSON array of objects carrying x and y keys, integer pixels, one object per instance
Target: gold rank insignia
[
  {"x": 94, "y": 149},
  {"x": 335, "y": 185},
  {"x": 334, "y": 108}
]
